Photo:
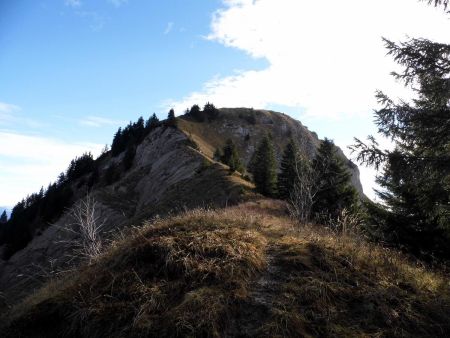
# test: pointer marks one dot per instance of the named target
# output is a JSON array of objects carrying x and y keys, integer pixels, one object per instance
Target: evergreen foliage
[
  {"x": 209, "y": 112},
  {"x": 416, "y": 177},
  {"x": 32, "y": 213},
  {"x": 132, "y": 135},
  {"x": 3, "y": 217},
  {"x": 217, "y": 154},
  {"x": 230, "y": 156},
  {"x": 196, "y": 113},
  {"x": 334, "y": 189},
  {"x": 80, "y": 166},
  {"x": 287, "y": 176},
  {"x": 152, "y": 123},
  {"x": 263, "y": 167},
  {"x": 171, "y": 119}
]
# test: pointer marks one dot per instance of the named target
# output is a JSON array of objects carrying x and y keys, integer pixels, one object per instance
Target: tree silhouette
[
  {"x": 334, "y": 189},
  {"x": 288, "y": 170},
  {"x": 3, "y": 217},
  {"x": 263, "y": 167}
]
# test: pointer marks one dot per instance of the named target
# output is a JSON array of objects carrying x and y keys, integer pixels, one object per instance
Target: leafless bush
[
  {"x": 345, "y": 223},
  {"x": 87, "y": 226},
  {"x": 303, "y": 193}
]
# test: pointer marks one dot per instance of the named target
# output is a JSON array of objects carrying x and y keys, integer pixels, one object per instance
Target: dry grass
[{"x": 240, "y": 271}]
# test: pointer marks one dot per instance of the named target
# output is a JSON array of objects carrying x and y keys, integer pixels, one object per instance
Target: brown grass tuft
[{"x": 240, "y": 271}]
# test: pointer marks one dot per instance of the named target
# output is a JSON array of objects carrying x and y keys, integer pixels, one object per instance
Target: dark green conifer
[
  {"x": 152, "y": 122},
  {"x": 230, "y": 156},
  {"x": 334, "y": 189},
  {"x": 288, "y": 170},
  {"x": 3, "y": 217},
  {"x": 171, "y": 119},
  {"x": 263, "y": 167}
]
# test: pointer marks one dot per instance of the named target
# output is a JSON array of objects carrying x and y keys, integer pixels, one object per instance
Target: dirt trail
[{"x": 256, "y": 310}]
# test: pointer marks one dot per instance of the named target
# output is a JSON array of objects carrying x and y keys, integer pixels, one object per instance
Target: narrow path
[{"x": 262, "y": 296}]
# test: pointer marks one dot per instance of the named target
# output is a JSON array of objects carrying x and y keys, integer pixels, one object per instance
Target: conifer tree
[
  {"x": 334, "y": 189},
  {"x": 263, "y": 167},
  {"x": 3, "y": 217},
  {"x": 171, "y": 119},
  {"x": 217, "y": 154},
  {"x": 288, "y": 170},
  {"x": 210, "y": 111},
  {"x": 230, "y": 156},
  {"x": 416, "y": 177},
  {"x": 118, "y": 144},
  {"x": 152, "y": 122}
]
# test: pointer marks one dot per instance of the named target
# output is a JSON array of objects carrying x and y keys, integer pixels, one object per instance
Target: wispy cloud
[
  {"x": 96, "y": 121},
  {"x": 97, "y": 21},
  {"x": 169, "y": 28},
  {"x": 73, "y": 3},
  {"x": 10, "y": 114},
  {"x": 118, "y": 3},
  {"x": 6, "y": 112},
  {"x": 28, "y": 162}
]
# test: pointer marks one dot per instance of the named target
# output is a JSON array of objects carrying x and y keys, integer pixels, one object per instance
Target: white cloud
[
  {"x": 118, "y": 3},
  {"x": 7, "y": 111},
  {"x": 28, "y": 162},
  {"x": 326, "y": 58},
  {"x": 73, "y": 3},
  {"x": 96, "y": 121},
  {"x": 168, "y": 28}
]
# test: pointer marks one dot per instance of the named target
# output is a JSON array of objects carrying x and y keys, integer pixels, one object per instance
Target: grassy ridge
[{"x": 240, "y": 271}]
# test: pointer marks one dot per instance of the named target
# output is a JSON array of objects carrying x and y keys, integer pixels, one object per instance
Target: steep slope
[
  {"x": 168, "y": 174},
  {"x": 240, "y": 271}
]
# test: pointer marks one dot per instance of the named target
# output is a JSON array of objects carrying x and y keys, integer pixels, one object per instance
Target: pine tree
[
  {"x": 139, "y": 130},
  {"x": 230, "y": 156},
  {"x": 217, "y": 154},
  {"x": 334, "y": 189},
  {"x": 263, "y": 167},
  {"x": 152, "y": 123},
  {"x": 288, "y": 170},
  {"x": 196, "y": 113},
  {"x": 210, "y": 111},
  {"x": 416, "y": 177},
  {"x": 171, "y": 119},
  {"x": 3, "y": 217},
  {"x": 118, "y": 144}
]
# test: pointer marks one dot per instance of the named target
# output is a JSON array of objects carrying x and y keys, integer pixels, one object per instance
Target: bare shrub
[
  {"x": 87, "y": 226},
  {"x": 345, "y": 223},
  {"x": 302, "y": 196}
]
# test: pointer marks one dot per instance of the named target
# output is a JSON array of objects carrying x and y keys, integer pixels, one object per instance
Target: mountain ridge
[{"x": 172, "y": 169}]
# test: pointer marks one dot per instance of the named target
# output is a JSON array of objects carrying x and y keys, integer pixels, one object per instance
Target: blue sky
[{"x": 72, "y": 71}]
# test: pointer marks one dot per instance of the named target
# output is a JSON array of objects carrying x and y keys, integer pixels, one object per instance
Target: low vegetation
[{"x": 246, "y": 270}]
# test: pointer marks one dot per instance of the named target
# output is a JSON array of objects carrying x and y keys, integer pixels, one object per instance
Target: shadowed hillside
[{"x": 240, "y": 271}]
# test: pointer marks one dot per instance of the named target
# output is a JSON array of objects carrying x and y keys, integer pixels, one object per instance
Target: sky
[{"x": 73, "y": 71}]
